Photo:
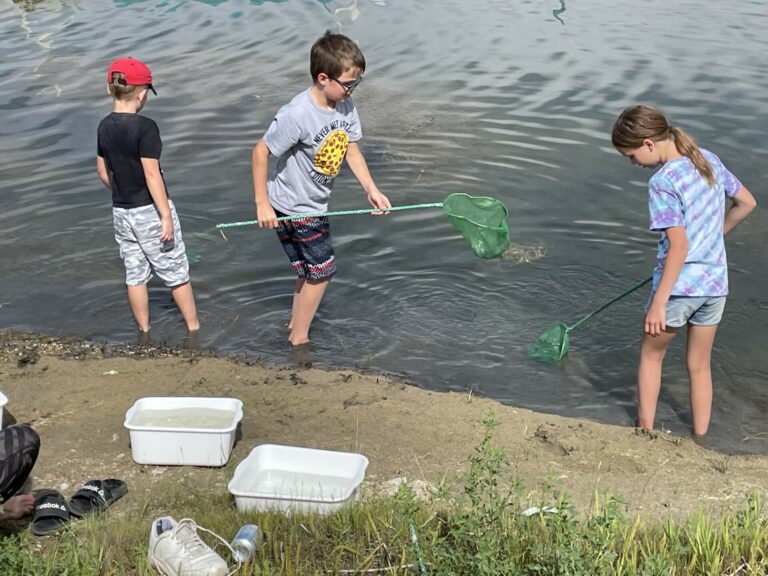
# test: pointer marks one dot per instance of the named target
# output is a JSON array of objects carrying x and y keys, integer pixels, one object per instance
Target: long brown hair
[{"x": 638, "y": 123}]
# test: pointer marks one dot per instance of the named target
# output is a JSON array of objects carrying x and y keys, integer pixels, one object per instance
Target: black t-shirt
[{"x": 123, "y": 140}]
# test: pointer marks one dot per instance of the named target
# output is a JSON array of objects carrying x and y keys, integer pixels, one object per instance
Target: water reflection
[
  {"x": 181, "y": 3},
  {"x": 556, "y": 13},
  {"x": 30, "y": 5}
]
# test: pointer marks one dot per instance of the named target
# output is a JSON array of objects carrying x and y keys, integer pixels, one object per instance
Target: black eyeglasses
[{"x": 348, "y": 86}]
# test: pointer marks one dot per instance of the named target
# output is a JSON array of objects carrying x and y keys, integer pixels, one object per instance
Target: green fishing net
[
  {"x": 551, "y": 345},
  {"x": 481, "y": 220}
]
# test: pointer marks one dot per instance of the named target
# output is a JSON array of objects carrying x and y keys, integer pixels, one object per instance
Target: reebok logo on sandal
[
  {"x": 51, "y": 505},
  {"x": 93, "y": 488}
]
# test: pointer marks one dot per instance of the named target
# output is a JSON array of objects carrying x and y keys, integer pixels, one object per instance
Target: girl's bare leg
[
  {"x": 652, "y": 351},
  {"x": 698, "y": 356},
  {"x": 185, "y": 300},
  {"x": 138, "y": 298},
  {"x": 306, "y": 302}
]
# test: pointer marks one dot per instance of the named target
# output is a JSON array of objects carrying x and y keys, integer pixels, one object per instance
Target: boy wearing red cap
[{"x": 147, "y": 227}]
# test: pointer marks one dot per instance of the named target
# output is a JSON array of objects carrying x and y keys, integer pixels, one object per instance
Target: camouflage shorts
[{"x": 137, "y": 231}]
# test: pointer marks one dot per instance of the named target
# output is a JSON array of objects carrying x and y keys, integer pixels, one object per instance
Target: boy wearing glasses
[
  {"x": 311, "y": 136},
  {"x": 147, "y": 229}
]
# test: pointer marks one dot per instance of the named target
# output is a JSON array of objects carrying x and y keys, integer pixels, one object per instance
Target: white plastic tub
[
  {"x": 3, "y": 402},
  {"x": 289, "y": 478},
  {"x": 183, "y": 430}
]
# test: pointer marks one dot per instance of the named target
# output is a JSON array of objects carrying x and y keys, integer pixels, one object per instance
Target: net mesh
[
  {"x": 481, "y": 220},
  {"x": 552, "y": 345}
]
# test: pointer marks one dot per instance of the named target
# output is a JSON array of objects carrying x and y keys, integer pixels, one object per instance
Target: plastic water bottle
[
  {"x": 162, "y": 525},
  {"x": 246, "y": 541}
]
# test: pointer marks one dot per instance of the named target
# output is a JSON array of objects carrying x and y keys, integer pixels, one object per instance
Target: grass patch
[{"x": 485, "y": 524}]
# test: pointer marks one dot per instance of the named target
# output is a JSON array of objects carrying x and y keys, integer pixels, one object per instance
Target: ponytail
[{"x": 686, "y": 145}]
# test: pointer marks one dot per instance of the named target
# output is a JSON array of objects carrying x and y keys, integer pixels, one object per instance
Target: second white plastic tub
[
  {"x": 192, "y": 431},
  {"x": 291, "y": 478}
]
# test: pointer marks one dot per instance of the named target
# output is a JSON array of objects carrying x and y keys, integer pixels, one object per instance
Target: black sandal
[
  {"x": 96, "y": 496},
  {"x": 51, "y": 513}
]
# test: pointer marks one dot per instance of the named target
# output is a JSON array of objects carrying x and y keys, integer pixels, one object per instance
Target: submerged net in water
[
  {"x": 481, "y": 220},
  {"x": 552, "y": 345}
]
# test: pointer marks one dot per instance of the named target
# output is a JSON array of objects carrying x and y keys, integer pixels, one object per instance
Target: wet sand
[{"x": 75, "y": 394}]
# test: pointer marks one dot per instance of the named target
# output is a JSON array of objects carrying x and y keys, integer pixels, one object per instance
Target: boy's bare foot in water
[{"x": 143, "y": 338}]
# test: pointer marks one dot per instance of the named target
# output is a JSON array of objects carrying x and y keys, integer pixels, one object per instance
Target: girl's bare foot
[{"x": 18, "y": 506}]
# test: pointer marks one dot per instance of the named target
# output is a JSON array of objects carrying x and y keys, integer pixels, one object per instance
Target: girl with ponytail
[{"x": 687, "y": 205}]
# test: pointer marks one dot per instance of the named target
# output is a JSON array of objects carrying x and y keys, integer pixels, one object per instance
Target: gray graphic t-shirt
[{"x": 310, "y": 144}]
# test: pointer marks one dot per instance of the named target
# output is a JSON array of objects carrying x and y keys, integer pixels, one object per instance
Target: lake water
[{"x": 511, "y": 99}]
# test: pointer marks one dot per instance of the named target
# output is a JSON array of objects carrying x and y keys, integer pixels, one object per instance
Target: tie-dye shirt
[{"x": 680, "y": 196}]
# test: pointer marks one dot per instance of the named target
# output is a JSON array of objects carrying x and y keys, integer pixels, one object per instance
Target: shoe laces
[
  {"x": 194, "y": 544},
  {"x": 186, "y": 534}
]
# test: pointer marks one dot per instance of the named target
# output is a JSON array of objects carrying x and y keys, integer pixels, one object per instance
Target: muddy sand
[{"x": 75, "y": 395}]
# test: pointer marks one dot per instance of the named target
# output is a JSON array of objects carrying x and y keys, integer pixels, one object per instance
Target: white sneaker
[{"x": 176, "y": 550}]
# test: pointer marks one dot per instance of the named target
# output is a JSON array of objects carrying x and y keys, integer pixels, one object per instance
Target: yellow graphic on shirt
[{"x": 331, "y": 154}]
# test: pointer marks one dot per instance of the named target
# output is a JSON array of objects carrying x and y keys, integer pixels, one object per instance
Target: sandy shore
[{"x": 75, "y": 394}]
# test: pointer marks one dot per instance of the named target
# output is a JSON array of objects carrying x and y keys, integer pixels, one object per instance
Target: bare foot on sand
[{"x": 18, "y": 506}]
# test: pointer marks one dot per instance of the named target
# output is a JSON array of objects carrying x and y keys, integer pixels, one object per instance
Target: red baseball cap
[{"x": 135, "y": 71}]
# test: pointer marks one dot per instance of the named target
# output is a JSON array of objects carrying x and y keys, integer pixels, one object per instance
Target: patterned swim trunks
[
  {"x": 137, "y": 231},
  {"x": 307, "y": 242}
]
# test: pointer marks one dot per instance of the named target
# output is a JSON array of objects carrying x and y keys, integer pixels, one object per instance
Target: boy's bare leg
[
  {"x": 306, "y": 302},
  {"x": 296, "y": 292},
  {"x": 697, "y": 356},
  {"x": 138, "y": 298},
  {"x": 652, "y": 351},
  {"x": 185, "y": 300}
]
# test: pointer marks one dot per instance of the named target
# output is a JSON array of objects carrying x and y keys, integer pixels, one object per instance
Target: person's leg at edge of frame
[
  {"x": 138, "y": 298},
  {"x": 698, "y": 356},
  {"x": 19, "y": 447},
  {"x": 306, "y": 302},
  {"x": 185, "y": 300},
  {"x": 652, "y": 351}
]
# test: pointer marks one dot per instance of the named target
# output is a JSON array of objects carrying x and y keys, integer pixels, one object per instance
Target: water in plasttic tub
[
  {"x": 297, "y": 484},
  {"x": 193, "y": 417}
]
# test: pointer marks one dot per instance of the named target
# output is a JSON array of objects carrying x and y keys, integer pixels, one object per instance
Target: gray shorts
[
  {"x": 137, "y": 231},
  {"x": 699, "y": 311}
]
